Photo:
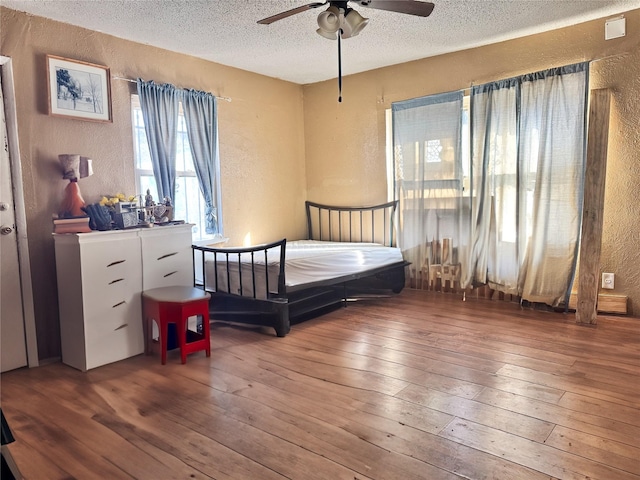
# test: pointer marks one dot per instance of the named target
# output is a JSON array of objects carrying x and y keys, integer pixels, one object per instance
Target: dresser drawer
[
  {"x": 167, "y": 257},
  {"x": 110, "y": 272},
  {"x": 124, "y": 342},
  {"x": 113, "y": 314}
]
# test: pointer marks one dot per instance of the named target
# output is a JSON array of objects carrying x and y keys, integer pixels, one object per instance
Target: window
[
  {"x": 501, "y": 181},
  {"x": 437, "y": 157},
  {"x": 189, "y": 203}
]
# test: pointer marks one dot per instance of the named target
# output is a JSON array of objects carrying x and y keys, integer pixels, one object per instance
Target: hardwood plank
[
  {"x": 625, "y": 394},
  {"x": 600, "y": 408},
  {"x": 622, "y": 456},
  {"x": 537, "y": 456},
  {"x": 587, "y": 422},
  {"x": 519, "y": 424}
]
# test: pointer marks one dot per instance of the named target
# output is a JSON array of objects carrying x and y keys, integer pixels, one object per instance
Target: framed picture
[{"x": 78, "y": 89}]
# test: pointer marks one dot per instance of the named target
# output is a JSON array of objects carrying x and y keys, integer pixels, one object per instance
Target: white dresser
[{"x": 100, "y": 278}]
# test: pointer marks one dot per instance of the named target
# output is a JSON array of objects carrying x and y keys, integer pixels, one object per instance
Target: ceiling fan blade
[
  {"x": 288, "y": 13},
  {"x": 411, "y": 7}
]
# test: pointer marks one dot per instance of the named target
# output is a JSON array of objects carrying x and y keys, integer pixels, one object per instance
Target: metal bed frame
[{"x": 283, "y": 305}]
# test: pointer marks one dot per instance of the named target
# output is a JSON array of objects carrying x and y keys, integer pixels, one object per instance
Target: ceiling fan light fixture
[
  {"x": 353, "y": 23},
  {"x": 326, "y": 34},
  {"x": 330, "y": 21}
]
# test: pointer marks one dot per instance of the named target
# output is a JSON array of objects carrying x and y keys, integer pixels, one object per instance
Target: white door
[{"x": 15, "y": 305}]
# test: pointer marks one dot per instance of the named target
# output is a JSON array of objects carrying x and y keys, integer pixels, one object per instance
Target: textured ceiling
[{"x": 226, "y": 32}]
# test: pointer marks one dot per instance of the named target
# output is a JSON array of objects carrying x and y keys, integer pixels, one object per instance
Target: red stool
[{"x": 168, "y": 305}]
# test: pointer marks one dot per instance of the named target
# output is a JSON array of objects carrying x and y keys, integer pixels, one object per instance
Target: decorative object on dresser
[
  {"x": 78, "y": 89},
  {"x": 71, "y": 225},
  {"x": 74, "y": 167},
  {"x": 101, "y": 276},
  {"x": 123, "y": 210},
  {"x": 157, "y": 213},
  {"x": 100, "y": 217}
]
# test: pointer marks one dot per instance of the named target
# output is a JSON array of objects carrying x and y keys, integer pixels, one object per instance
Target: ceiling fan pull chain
[{"x": 339, "y": 66}]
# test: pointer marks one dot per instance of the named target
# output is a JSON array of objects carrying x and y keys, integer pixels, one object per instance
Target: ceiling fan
[
  {"x": 341, "y": 21},
  {"x": 338, "y": 8}
]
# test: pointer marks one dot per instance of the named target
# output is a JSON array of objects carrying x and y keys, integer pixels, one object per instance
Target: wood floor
[{"x": 419, "y": 386}]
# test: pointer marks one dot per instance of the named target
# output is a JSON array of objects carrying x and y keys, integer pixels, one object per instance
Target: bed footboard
[{"x": 247, "y": 285}]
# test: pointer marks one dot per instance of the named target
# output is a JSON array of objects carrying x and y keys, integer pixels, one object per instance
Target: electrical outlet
[{"x": 608, "y": 281}]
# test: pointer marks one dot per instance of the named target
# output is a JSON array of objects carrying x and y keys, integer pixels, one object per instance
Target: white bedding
[{"x": 307, "y": 261}]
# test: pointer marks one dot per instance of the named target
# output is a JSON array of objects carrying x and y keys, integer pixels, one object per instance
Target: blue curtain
[
  {"x": 160, "y": 107},
  {"x": 202, "y": 129}
]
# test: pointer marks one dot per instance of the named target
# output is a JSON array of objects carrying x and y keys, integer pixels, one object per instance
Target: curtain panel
[
  {"x": 160, "y": 107},
  {"x": 202, "y": 129},
  {"x": 428, "y": 178},
  {"x": 494, "y": 187},
  {"x": 528, "y": 150},
  {"x": 552, "y": 151}
]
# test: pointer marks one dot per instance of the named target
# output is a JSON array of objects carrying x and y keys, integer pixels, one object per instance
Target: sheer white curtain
[
  {"x": 553, "y": 147},
  {"x": 428, "y": 174},
  {"x": 495, "y": 251},
  {"x": 528, "y": 155}
]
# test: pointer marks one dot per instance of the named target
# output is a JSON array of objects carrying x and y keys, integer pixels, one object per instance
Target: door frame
[{"x": 20, "y": 212}]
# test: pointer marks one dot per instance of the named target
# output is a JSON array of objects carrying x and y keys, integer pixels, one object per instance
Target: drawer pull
[
  {"x": 167, "y": 255},
  {"x": 116, "y": 281},
  {"x": 124, "y": 325},
  {"x": 170, "y": 273},
  {"x": 115, "y": 263},
  {"x": 118, "y": 304}
]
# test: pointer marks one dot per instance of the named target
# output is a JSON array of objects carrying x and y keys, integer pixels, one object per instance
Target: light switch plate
[{"x": 608, "y": 281}]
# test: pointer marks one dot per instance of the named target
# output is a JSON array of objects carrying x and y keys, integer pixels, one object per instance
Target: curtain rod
[{"x": 131, "y": 80}]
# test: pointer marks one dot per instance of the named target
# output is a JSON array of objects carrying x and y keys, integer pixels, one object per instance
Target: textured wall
[
  {"x": 262, "y": 141},
  {"x": 345, "y": 142}
]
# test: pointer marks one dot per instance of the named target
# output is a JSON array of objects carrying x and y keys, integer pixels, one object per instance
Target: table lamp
[{"x": 74, "y": 167}]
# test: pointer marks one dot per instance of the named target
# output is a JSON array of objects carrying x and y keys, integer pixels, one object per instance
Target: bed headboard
[{"x": 352, "y": 224}]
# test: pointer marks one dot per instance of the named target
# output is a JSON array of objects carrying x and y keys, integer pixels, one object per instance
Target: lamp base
[{"x": 72, "y": 202}]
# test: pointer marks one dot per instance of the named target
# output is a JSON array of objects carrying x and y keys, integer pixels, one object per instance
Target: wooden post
[{"x": 592, "y": 213}]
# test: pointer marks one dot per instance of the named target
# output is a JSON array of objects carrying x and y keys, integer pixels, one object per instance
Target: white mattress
[{"x": 307, "y": 261}]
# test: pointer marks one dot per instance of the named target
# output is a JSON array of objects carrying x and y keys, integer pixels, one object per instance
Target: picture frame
[{"x": 79, "y": 90}]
